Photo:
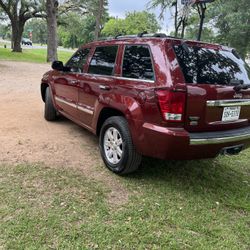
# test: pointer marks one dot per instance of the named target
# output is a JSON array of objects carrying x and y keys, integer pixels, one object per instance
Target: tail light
[{"x": 172, "y": 104}]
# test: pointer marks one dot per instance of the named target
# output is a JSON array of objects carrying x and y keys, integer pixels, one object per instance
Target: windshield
[{"x": 209, "y": 66}]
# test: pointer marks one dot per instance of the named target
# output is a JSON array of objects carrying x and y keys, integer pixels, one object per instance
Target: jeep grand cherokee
[{"x": 153, "y": 95}]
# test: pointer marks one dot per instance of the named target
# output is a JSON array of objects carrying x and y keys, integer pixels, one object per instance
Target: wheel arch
[
  {"x": 44, "y": 86},
  {"x": 106, "y": 113}
]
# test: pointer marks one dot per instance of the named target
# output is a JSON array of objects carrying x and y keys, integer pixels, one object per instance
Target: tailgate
[
  {"x": 218, "y": 87},
  {"x": 211, "y": 108}
]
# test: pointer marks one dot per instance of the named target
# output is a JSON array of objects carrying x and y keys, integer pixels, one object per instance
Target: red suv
[{"x": 153, "y": 95}]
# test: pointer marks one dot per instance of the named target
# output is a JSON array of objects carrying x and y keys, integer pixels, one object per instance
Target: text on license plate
[{"x": 231, "y": 113}]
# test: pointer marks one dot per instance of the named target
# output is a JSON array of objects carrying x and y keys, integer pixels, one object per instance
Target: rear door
[
  {"x": 97, "y": 81},
  {"x": 214, "y": 102}
]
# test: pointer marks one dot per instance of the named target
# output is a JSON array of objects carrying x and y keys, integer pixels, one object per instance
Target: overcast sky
[{"x": 120, "y": 7}]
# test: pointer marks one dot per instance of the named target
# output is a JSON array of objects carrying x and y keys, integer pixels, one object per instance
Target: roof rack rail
[
  {"x": 143, "y": 35},
  {"x": 125, "y": 36},
  {"x": 118, "y": 36},
  {"x": 160, "y": 35},
  {"x": 105, "y": 38}
]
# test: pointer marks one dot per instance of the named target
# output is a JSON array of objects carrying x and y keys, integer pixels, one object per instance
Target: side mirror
[{"x": 57, "y": 65}]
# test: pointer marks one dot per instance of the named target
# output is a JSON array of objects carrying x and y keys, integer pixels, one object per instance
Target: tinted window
[
  {"x": 77, "y": 61},
  {"x": 200, "y": 65},
  {"x": 137, "y": 63},
  {"x": 103, "y": 61}
]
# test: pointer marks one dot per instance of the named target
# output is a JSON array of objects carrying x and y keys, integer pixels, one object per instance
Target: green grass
[
  {"x": 32, "y": 55},
  {"x": 174, "y": 205}
]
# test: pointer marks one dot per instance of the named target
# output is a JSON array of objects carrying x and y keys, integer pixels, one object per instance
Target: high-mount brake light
[{"x": 172, "y": 104}]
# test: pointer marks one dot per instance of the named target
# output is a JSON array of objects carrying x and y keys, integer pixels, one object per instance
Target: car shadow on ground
[
  {"x": 78, "y": 130},
  {"x": 218, "y": 177}
]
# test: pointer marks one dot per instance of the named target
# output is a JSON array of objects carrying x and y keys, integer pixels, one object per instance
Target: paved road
[{"x": 34, "y": 46}]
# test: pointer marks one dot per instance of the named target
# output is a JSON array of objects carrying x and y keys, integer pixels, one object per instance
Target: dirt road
[{"x": 25, "y": 137}]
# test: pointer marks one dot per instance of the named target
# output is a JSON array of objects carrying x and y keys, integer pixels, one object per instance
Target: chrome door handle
[
  {"x": 74, "y": 82},
  {"x": 104, "y": 87}
]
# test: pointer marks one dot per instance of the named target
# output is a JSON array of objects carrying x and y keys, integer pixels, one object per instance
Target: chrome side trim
[
  {"x": 219, "y": 140},
  {"x": 88, "y": 111},
  {"x": 66, "y": 102},
  {"x": 134, "y": 79},
  {"x": 228, "y": 103},
  {"x": 121, "y": 78}
]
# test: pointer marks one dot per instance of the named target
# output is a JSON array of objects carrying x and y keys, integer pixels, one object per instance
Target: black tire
[
  {"x": 130, "y": 159},
  {"x": 50, "y": 113}
]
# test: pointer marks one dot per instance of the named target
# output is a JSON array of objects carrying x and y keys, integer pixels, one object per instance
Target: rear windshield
[{"x": 209, "y": 66}]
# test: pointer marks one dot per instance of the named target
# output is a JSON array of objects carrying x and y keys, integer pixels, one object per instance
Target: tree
[
  {"x": 51, "y": 10},
  {"x": 97, "y": 8},
  {"x": 3, "y": 15},
  {"x": 76, "y": 30},
  {"x": 227, "y": 23},
  {"x": 19, "y": 12},
  {"x": 79, "y": 15},
  {"x": 134, "y": 23},
  {"x": 114, "y": 27},
  {"x": 99, "y": 18},
  {"x": 208, "y": 34},
  {"x": 4, "y": 31},
  {"x": 39, "y": 30},
  {"x": 181, "y": 13},
  {"x": 232, "y": 21}
]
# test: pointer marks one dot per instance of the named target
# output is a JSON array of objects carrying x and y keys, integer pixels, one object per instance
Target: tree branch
[
  {"x": 34, "y": 14},
  {"x": 6, "y": 9}
]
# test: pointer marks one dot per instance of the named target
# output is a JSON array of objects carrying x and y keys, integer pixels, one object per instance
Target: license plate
[{"x": 231, "y": 114}]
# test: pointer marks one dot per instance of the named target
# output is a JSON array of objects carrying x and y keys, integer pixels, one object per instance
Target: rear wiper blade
[
  {"x": 239, "y": 84},
  {"x": 240, "y": 87},
  {"x": 236, "y": 82}
]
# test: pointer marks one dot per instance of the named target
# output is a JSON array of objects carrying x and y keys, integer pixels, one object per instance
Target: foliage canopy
[{"x": 134, "y": 23}]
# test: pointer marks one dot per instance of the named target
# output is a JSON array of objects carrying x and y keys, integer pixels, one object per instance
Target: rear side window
[
  {"x": 77, "y": 61},
  {"x": 209, "y": 66},
  {"x": 137, "y": 63},
  {"x": 103, "y": 61}
]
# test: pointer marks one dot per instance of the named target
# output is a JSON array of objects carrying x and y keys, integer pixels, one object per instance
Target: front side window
[
  {"x": 210, "y": 66},
  {"x": 103, "y": 61},
  {"x": 137, "y": 63},
  {"x": 77, "y": 61}
]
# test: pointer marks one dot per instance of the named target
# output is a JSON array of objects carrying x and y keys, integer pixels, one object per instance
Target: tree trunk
[
  {"x": 98, "y": 19},
  {"x": 17, "y": 32},
  {"x": 184, "y": 25},
  {"x": 51, "y": 9},
  {"x": 176, "y": 20},
  {"x": 202, "y": 17}
]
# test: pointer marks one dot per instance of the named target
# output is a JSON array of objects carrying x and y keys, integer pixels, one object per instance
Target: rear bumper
[
  {"x": 178, "y": 144},
  {"x": 229, "y": 136}
]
